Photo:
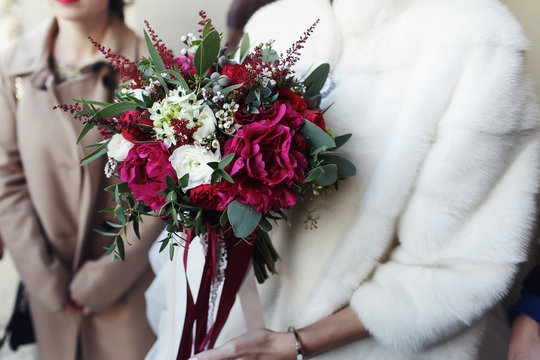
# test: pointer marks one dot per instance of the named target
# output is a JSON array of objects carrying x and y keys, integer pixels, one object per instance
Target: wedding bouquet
[{"x": 218, "y": 148}]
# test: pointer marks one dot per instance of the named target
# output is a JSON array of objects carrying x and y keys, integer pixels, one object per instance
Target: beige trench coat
[{"x": 49, "y": 204}]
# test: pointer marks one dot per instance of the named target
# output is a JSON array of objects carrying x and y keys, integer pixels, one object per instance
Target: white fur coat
[{"x": 427, "y": 237}]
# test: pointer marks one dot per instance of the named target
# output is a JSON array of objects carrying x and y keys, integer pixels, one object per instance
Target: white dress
[{"x": 166, "y": 297}]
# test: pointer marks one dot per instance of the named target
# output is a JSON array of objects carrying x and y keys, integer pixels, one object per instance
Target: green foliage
[
  {"x": 115, "y": 109},
  {"x": 316, "y": 136},
  {"x": 100, "y": 151},
  {"x": 219, "y": 169},
  {"x": 86, "y": 128},
  {"x": 156, "y": 59},
  {"x": 328, "y": 175},
  {"x": 341, "y": 140},
  {"x": 264, "y": 257},
  {"x": 315, "y": 81},
  {"x": 122, "y": 188},
  {"x": 344, "y": 167},
  {"x": 207, "y": 53},
  {"x": 244, "y": 47},
  {"x": 243, "y": 218}
]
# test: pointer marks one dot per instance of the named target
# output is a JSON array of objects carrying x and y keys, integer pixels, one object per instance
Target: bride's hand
[{"x": 260, "y": 344}]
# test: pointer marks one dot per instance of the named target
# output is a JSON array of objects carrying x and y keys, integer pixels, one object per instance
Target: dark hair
[{"x": 117, "y": 8}]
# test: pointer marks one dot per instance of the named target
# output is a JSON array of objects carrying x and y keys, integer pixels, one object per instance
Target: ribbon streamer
[{"x": 239, "y": 254}]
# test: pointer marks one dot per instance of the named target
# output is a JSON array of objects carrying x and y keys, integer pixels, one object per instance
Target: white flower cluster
[
  {"x": 188, "y": 41},
  {"x": 179, "y": 105},
  {"x": 265, "y": 78},
  {"x": 225, "y": 117}
]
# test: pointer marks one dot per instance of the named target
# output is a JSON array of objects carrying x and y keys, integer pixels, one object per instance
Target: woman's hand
[
  {"x": 260, "y": 344},
  {"x": 525, "y": 339},
  {"x": 338, "y": 329}
]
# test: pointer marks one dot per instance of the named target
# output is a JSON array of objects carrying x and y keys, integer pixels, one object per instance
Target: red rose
[
  {"x": 215, "y": 197},
  {"x": 236, "y": 73},
  {"x": 287, "y": 96},
  {"x": 316, "y": 117},
  {"x": 130, "y": 123}
]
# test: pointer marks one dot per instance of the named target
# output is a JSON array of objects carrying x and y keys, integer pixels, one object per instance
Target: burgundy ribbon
[{"x": 239, "y": 254}]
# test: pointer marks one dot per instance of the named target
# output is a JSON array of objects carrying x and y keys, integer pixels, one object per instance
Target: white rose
[
  {"x": 206, "y": 123},
  {"x": 193, "y": 160},
  {"x": 118, "y": 147}
]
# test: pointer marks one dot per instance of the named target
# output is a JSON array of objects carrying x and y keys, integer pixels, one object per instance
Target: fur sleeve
[{"x": 467, "y": 222}]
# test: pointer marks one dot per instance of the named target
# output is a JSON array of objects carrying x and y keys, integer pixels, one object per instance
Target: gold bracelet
[{"x": 299, "y": 349}]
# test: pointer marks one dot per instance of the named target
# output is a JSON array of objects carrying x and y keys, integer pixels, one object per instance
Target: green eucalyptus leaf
[
  {"x": 93, "y": 102},
  {"x": 316, "y": 136},
  {"x": 226, "y": 160},
  {"x": 207, "y": 53},
  {"x": 223, "y": 219},
  {"x": 114, "y": 110},
  {"x": 110, "y": 249},
  {"x": 216, "y": 177},
  {"x": 100, "y": 151},
  {"x": 345, "y": 168},
  {"x": 226, "y": 176},
  {"x": 269, "y": 55},
  {"x": 206, "y": 28},
  {"x": 178, "y": 80},
  {"x": 183, "y": 181},
  {"x": 313, "y": 174},
  {"x": 171, "y": 197},
  {"x": 243, "y": 218},
  {"x": 116, "y": 195},
  {"x": 171, "y": 184},
  {"x": 341, "y": 140},
  {"x": 120, "y": 216},
  {"x": 315, "y": 81},
  {"x": 164, "y": 244},
  {"x": 120, "y": 248},
  {"x": 123, "y": 188},
  {"x": 264, "y": 224},
  {"x": 136, "y": 229},
  {"x": 156, "y": 58},
  {"x": 105, "y": 233},
  {"x": 114, "y": 225},
  {"x": 213, "y": 164},
  {"x": 86, "y": 128},
  {"x": 328, "y": 176},
  {"x": 228, "y": 89},
  {"x": 244, "y": 47},
  {"x": 171, "y": 251}
]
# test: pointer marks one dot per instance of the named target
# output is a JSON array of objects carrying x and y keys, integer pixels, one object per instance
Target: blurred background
[{"x": 178, "y": 17}]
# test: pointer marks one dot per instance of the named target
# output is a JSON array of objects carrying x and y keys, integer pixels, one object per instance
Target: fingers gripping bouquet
[{"x": 218, "y": 149}]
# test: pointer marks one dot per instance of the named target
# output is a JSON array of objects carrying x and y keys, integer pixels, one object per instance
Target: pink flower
[
  {"x": 145, "y": 170},
  {"x": 267, "y": 163},
  {"x": 185, "y": 65}
]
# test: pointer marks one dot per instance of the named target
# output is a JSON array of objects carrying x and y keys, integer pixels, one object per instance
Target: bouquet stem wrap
[{"x": 239, "y": 254}]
